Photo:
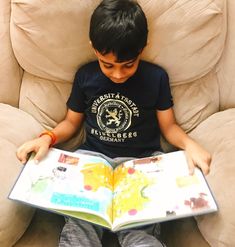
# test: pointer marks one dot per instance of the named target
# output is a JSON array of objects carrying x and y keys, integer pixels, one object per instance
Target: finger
[
  {"x": 191, "y": 165},
  {"x": 19, "y": 157},
  {"x": 42, "y": 151},
  {"x": 205, "y": 168},
  {"x": 22, "y": 153}
]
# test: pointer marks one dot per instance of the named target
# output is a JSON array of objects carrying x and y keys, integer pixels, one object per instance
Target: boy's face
[{"x": 117, "y": 72}]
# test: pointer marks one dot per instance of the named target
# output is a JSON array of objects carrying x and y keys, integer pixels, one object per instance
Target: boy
[{"x": 124, "y": 103}]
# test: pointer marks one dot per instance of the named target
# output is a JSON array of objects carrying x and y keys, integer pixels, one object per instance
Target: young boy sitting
[{"x": 124, "y": 103}]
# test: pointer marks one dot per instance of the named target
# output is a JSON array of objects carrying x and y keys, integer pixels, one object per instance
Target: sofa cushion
[
  {"x": 182, "y": 233},
  {"x": 225, "y": 68},
  {"x": 16, "y": 128},
  {"x": 44, "y": 99},
  {"x": 196, "y": 101},
  {"x": 44, "y": 230},
  {"x": 56, "y": 36},
  {"x": 186, "y": 37},
  {"x": 10, "y": 70},
  {"x": 217, "y": 134}
]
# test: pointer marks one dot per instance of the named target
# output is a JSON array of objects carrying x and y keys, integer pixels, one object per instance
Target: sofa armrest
[{"x": 15, "y": 127}]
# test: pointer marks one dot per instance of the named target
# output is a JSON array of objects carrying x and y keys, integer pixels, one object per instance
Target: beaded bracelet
[{"x": 51, "y": 134}]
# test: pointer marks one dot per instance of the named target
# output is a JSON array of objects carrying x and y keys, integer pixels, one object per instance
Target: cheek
[
  {"x": 131, "y": 71},
  {"x": 105, "y": 71}
]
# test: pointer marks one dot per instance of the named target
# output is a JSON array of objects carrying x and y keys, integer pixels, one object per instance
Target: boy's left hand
[{"x": 197, "y": 156}]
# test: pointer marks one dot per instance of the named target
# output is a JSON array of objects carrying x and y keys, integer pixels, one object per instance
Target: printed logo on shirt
[{"x": 114, "y": 114}]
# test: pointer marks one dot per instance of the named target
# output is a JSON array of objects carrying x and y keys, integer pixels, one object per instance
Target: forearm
[
  {"x": 64, "y": 131},
  {"x": 69, "y": 126},
  {"x": 174, "y": 134},
  {"x": 177, "y": 137}
]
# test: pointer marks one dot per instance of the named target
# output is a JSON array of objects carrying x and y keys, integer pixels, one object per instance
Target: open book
[{"x": 137, "y": 192}]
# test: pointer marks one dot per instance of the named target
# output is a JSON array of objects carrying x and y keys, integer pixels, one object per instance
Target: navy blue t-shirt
[{"x": 121, "y": 117}]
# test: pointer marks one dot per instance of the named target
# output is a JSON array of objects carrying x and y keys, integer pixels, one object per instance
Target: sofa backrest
[
  {"x": 225, "y": 69},
  {"x": 50, "y": 42},
  {"x": 10, "y": 71}
]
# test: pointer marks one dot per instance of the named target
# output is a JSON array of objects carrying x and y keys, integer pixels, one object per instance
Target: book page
[
  {"x": 87, "y": 217},
  {"x": 157, "y": 189},
  {"x": 69, "y": 182}
]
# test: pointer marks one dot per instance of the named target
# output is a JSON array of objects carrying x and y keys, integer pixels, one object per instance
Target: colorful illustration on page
[
  {"x": 198, "y": 202},
  {"x": 130, "y": 183},
  {"x": 97, "y": 175},
  {"x": 69, "y": 182},
  {"x": 94, "y": 186},
  {"x": 42, "y": 183}
]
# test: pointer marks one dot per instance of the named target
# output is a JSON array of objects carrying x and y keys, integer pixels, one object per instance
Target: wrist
[
  {"x": 190, "y": 144},
  {"x": 52, "y": 137}
]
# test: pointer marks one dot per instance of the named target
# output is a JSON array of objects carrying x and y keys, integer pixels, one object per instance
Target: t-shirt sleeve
[
  {"x": 165, "y": 100},
  {"x": 76, "y": 100}
]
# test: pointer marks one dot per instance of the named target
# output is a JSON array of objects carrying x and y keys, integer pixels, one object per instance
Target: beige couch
[{"x": 43, "y": 43}]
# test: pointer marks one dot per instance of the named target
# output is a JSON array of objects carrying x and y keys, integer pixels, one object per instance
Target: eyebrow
[
  {"x": 131, "y": 61},
  {"x": 105, "y": 62}
]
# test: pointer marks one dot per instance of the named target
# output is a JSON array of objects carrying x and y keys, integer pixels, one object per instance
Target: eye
[
  {"x": 129, "y": 65},
  {"x": 107, "y": 66}
]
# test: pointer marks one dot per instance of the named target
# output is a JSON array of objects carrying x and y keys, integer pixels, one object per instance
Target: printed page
[
  {"x": 158, "y": 189},
  {"x": 67, "y": 181}
]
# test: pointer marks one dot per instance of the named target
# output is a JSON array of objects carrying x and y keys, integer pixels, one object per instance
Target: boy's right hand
[{"x": 39, "y": 145}]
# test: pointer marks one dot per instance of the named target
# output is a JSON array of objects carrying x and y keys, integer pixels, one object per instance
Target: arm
[
  {"x": 63, "y": 131},
  {"x": 196, "y": 155}
]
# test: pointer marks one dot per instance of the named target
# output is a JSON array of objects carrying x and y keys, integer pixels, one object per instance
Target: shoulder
[
  {"x": 86, "y": 72},
  {"x": 88, "y": 68},
  {"x": 152, "y": 69}
]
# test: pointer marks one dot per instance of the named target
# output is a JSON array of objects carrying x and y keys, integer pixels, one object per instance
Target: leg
[
  {"x": 78, "y": 233},
  {"x": 141, "y": 237}
]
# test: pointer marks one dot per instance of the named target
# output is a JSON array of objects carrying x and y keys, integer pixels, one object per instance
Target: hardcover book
[{"x": 137, "y": 192}]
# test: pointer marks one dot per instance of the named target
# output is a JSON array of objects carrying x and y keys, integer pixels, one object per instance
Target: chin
[{"x": 118, "y": 80}]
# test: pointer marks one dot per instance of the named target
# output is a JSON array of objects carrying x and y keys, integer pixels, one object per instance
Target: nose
[{"x": 117, "y": 73}]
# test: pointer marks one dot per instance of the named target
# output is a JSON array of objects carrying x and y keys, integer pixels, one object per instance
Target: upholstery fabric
[
  {"x": 55, "y": 33},
  {"x": 15, "y": 127},
  {"x": 196, "y": 101},
  {"x": 181, "y": 34},
  {"x": 225, "y": 68},
  {"x": 42, "y": 98},
  {"x": 10, "y": 71},
  {"x": 219, "y": 140}
]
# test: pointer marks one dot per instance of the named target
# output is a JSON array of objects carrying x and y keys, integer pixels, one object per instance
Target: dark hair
[{"x": 120, "y": 27}]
